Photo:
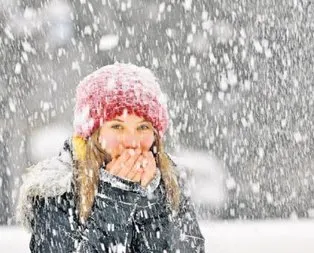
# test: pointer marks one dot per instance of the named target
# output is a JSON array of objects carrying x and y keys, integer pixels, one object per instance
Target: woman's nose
[{"x": 131, "y": 141}]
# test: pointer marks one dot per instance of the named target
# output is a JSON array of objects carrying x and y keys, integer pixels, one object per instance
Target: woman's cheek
[
  {"x": 147, "y": 142},
  {"x": 110, "y": 142},
  {"x": 113, "y": 142}
]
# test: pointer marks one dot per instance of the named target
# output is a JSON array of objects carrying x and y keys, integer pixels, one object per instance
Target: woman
[{"x": 112, "y": 188}]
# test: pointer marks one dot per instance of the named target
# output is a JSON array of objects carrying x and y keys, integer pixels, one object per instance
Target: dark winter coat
[{"x": 125, "y": 217}]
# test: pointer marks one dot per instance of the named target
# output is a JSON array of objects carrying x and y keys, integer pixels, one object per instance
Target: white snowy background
[{"x": 239, "y": 80}]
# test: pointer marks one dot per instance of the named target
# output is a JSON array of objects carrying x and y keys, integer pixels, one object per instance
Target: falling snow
[{"x": 238, "y": 78}]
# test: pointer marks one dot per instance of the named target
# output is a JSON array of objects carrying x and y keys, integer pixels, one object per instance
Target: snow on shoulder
[{"x": 47, "y": 178}]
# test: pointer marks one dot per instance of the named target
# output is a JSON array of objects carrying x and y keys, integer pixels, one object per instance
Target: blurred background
[{"x": 238, "y": 76}]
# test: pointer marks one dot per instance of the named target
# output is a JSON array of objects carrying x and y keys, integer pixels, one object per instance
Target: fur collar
[{"x": 48, "y": 178}]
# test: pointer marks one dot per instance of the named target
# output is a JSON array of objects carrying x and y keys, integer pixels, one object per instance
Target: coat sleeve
[
  {"x": 54, "y": 226},
  {"x": 191, "y": 237}
]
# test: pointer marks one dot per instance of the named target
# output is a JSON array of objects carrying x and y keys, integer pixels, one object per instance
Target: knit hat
[{"x": 115, "y": 89}]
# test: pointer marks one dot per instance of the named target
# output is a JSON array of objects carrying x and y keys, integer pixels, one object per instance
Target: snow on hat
[{"x": 114, "y": 89}]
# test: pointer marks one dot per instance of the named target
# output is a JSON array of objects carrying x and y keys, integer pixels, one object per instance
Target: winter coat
[{"x": 124, "y": 218}]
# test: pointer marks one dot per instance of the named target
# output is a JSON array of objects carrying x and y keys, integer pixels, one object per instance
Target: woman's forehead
[{"x": 129, "y": 118}]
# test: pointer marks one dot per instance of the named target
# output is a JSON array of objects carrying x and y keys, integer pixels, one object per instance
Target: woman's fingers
[
  {"x": 135, "y": 154},
  {"x": 137, "y": 177},
  {"x": 119, "y": 163},
  {"x": 135, "y": 166},
  {"x": 129, "y": 163},
  {"x": 149, "y": 170},
  {"x": 135, "y": 173},
  {"x": 149, "y": 160}
]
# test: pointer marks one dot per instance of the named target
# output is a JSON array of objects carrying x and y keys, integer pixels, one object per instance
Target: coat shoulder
[{"x": 50, "y": 178}]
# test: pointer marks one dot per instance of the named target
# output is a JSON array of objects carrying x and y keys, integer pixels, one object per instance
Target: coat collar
[{"x": 47, "y": 178}]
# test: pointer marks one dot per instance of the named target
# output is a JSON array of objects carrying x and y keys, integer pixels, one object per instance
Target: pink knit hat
[{"x": 113, "y": 89}]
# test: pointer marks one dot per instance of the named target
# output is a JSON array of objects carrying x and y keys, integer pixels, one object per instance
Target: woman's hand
[
  {"x": 134, "y": 166},
  {"x": 127, "y": 165},
  {"x": 149, "y": 166}
]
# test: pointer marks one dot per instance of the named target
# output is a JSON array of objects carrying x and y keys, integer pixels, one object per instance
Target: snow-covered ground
[{"x": 275, "y": 236}]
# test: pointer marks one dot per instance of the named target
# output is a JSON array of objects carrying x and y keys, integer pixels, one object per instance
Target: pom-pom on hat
[{"x": 115, "y": 89}]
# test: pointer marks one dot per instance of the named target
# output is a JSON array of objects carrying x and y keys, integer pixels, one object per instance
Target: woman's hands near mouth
[{"x": 134, "y": 165}]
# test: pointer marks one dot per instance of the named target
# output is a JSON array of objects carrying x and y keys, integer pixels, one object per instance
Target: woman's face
[{"x": 126, "y": 132}]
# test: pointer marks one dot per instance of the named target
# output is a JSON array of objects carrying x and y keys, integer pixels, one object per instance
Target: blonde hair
[{"x": 89, "y": 158}]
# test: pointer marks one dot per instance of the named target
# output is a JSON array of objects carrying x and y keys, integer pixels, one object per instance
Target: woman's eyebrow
[{"x": 117, "y": 120}]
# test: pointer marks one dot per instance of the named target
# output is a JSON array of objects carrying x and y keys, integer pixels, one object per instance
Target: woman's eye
[
  {"x": 116, "y": 126},
  {"x": 143, "y": 127}
]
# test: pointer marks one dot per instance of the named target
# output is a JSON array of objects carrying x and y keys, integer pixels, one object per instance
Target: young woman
[{"x": 112, "y": 188}]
